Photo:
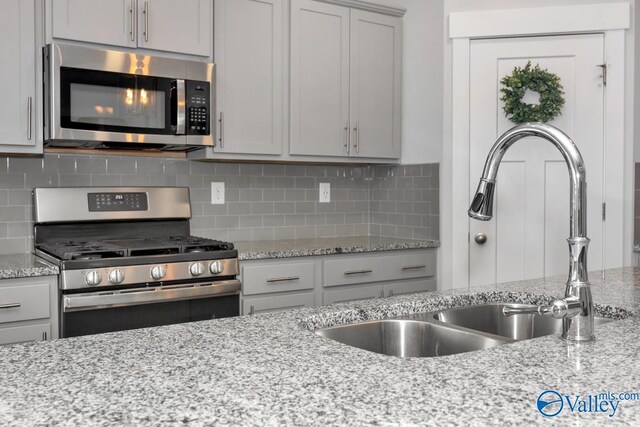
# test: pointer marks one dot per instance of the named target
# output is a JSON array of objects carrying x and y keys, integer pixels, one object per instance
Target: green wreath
[{"x": 537, "y": 80}]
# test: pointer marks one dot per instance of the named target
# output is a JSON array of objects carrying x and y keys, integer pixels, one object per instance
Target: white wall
[{"x": 422, "y": 76}]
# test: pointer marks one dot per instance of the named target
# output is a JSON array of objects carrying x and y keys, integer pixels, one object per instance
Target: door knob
[{"x": 480, "y": 238}]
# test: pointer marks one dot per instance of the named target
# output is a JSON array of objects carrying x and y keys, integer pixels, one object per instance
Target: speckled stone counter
[
  {"x": 326, "y": 246},
  {"x": 24, "y": 265},
  {"x": 269, "y": 369}
]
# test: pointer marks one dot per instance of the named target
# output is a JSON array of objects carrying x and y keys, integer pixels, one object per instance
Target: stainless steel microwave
[{"x": 113, "y": 99}]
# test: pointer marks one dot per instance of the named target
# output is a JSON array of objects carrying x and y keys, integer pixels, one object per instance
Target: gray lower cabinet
[
  {"x": 264, "y": 304},
  {"x": 28, "y": 309},
  {"x": 280, "y": 284}
]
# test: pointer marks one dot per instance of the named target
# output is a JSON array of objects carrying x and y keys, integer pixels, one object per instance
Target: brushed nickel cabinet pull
[
  {"x": 283, "y": 279},
  {"x": 11, "y": 305},
  {"x": 357, "y": 144},
  {"x": 132, "y": 22},
  {"x": 145, "y": 12},
  {"x": 44, "y": 336},
  {"x": 29, "y": 116},
  {"x": 351, "y": 273},
  {"x": 252, "y": 310},
  {"x": 221, "y": 120},
  {"x": 348, "y": 132},
  {"x": 413, "y": 267},
  {"x": 382, "y": 293}
]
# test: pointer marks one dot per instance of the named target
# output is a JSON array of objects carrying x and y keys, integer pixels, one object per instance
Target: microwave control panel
[{"x": 198, "y": 107}]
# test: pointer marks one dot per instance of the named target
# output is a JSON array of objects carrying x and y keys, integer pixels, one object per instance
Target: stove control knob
[
  {"x": 93, "y": 278},
  {"x": 216, "y": 267},
  {"x": 116, "y": 276},
  {"x": 159, "y": 271},
  {"x": 196, "y": 269}
]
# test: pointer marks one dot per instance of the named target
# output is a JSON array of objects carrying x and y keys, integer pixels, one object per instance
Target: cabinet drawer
[
  {"x": 350, "y": 271},
  {"x": 28, "y": 333},
  {"x": 24, "y": 302},
  {"x": 277, "y": 303},
  {"x": 352, "y": 294},
  {"x": 407, "y": 266},
  {"x": 409, "y": 287},
  {"x": 283, "y": 277}
]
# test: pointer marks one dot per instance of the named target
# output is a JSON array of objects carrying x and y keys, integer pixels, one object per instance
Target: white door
[
  {"x": 249, "y": 66},
  {"x": 319, "y": 78},
  {"x": 376, "y": 84},
  {"x": 527, "y": 236}
]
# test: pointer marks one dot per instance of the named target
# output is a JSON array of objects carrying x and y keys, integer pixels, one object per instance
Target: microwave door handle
[{"x": 181, "y": 107}]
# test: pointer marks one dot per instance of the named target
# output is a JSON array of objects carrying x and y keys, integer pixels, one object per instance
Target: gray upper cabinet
[
  {"x": 319, "y": 78},
  {"x": 18, "y": 125},
  {"x": 176, "y": 26},
  {"x": 249, "y": 55},
  {"x": 109, "y": 22},
  {"x": 376, "y": 84},
  {"x": 346, "y": 67},
  {"x": 166, "y": 25}
]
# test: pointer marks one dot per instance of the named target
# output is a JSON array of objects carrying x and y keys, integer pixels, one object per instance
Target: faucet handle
[{"x": 559, "y": 309}]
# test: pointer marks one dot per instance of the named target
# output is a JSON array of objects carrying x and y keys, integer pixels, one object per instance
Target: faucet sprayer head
[{"x": 482, "y": 205}]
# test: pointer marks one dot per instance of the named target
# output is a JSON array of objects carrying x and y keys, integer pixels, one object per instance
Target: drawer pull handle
[
  {"x": 283, "y": 279},
  {"x": 353, "y": 272},
  {"x": 12, "y": 305},
  {"x": 413, "y": 267}
]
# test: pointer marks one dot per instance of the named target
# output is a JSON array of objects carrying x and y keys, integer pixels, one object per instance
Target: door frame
[{"x": 609, "y": 19}]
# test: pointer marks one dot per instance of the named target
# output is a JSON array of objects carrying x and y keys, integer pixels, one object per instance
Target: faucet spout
[{"x": 578, "y": 324}]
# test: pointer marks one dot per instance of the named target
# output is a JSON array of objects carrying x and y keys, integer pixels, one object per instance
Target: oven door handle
[{"x": 160, "y": 294}]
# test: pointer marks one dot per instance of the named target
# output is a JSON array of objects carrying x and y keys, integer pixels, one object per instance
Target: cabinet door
[
  {"x": 319, "y": 78},
  {"x": 277, "y": 303},
  {"x": 27, "y": 333},
  {"x": 109, "y": 22},
  {"x": 352, "y": 294},
  {"x": 249, "y": 63},
  {"x": 376, "y": 85},
  {"x": 183, "y": 26},
  {"x": 17, "y": 74},
  {"x": 409, "y": 287}
]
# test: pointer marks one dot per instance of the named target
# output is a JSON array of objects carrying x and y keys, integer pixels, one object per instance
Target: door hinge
[
  {"x": 604, "y": 73},
  {"x": 604, "y": 211}
]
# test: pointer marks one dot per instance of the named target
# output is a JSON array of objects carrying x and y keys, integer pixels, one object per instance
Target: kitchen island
[{"x": 270, "y": 369}]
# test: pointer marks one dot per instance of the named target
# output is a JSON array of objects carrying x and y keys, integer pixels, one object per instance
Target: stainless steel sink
[
  {"x": 446, "y": 332},
  {"x": 488, "y": 318},
  {"x": 410, "y": 338}
]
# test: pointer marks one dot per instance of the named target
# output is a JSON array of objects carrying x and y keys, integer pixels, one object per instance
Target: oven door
[{"x": 108, "y": 311}]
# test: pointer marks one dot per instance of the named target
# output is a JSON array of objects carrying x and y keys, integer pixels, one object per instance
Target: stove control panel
[
  {"x": 126, "y": 275},
  {"x": 118, "y": 202}
]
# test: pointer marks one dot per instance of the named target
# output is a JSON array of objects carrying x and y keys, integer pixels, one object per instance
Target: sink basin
[
  {"x": 488, "y": 318},
  {"x": 409, "y": 338}
]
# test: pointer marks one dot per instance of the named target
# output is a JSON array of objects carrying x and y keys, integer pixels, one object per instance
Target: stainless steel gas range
[{"x": 127, "y": 259}]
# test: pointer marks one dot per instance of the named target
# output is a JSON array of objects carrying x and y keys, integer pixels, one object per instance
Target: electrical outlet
[
  {"x": 325, "y": 192},
  {"x": 217, "y": 193}
]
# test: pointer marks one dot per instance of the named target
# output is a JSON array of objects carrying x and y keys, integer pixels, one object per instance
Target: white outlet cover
[
  {"x": 217, "y": 193},
  {"x": 325, "y": 192}
]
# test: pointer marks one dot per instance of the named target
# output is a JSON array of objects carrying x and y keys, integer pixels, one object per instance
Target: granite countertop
[
  {"x": 270, "y": 369},
  {"x": 17, "y": 266},
  {"x": 326, "y": 246}
]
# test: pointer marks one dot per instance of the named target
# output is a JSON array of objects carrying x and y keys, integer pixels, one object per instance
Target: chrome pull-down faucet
[{"x": 576, "y": 308}]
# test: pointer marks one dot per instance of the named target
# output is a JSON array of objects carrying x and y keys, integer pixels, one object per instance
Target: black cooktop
[{"x": 78, "y": 250}]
